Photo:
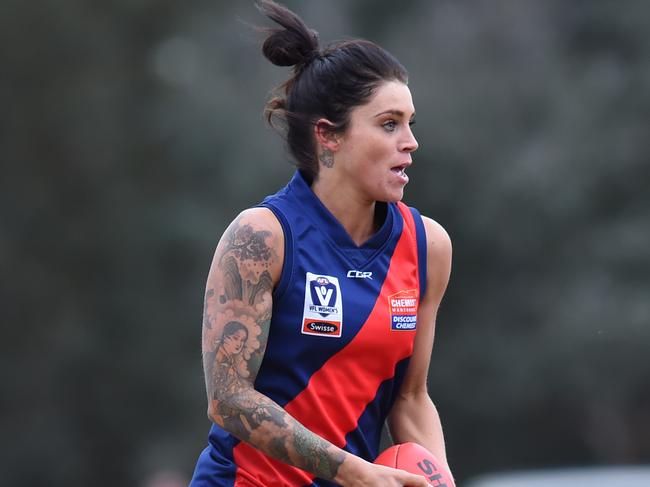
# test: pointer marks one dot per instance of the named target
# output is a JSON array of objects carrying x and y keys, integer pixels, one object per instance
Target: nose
[{"x": 409, "y": 144}]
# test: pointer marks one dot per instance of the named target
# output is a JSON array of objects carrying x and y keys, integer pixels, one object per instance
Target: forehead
[{"x": 390, "y": 95}]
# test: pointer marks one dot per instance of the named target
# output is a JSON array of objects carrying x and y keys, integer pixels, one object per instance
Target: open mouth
[{"x": 401, "y": 170}]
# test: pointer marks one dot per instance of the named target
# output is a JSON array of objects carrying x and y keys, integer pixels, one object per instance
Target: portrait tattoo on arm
[{"x": 237, "y": 317}]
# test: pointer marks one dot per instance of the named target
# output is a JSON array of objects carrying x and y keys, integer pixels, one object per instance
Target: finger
[{"x": 416, "y": 481}]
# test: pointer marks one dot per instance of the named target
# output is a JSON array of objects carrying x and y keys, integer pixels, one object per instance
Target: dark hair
[
  {"x": 325, "y": 84},
  {"x": 233, "y": 327}
]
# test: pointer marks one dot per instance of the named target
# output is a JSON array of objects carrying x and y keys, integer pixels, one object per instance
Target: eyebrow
[{"x": 399, "y": 113}]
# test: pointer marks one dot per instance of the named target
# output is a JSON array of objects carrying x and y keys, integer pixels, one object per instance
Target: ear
[{"x": 325, "y": 135}]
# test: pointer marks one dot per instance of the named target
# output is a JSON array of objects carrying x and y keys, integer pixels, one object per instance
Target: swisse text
[{"x": 322, "y": 327}]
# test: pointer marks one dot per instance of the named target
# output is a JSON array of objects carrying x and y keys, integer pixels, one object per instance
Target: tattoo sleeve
[{"x": 236, "y": 321}]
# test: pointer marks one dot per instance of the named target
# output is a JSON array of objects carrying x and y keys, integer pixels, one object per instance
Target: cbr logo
[{"x": 359, "y": 274}]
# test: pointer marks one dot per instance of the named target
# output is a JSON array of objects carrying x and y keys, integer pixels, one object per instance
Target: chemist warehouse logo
[
  {"x": 323, "y": 309},
  {"x": 403, "y": 307}
]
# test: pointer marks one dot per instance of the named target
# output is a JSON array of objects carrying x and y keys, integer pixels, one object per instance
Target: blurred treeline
[{"x": 131, "y": 134}]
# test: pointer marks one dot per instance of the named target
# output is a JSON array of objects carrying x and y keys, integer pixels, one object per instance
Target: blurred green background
[{"x": 132, "y": 133}]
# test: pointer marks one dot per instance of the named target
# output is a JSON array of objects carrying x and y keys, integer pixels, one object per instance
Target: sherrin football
[{"x": 418, "y": 460}]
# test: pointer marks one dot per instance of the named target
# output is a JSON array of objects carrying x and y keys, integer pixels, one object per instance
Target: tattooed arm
[{"x": 237, "y": 316}]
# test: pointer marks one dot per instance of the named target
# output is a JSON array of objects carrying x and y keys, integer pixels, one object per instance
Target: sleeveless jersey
[{"x": 340, "y": 339}]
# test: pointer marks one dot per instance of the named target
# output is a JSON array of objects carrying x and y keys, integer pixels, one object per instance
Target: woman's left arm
[{"x": 413, "y": 416}]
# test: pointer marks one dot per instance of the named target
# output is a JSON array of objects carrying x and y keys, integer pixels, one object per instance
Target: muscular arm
[
  {"x": 414, "y": 416},
  {"x": 238, "y": 297}
]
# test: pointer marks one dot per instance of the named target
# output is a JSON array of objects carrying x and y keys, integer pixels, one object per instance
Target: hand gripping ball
[{"x": 418, "y": 460}]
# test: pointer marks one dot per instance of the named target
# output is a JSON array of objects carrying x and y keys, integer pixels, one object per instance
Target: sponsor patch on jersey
[
  {"x": 359, "y": 274},
  {"x": 321, "y": 327},
  {"x": 323, "y": 311},
  {"x": 403, "y": 307}
]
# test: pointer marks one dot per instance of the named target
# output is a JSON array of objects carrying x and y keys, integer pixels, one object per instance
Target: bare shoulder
[
  {"x": 256, "y": 241},
  {"x": 439, "y": 251},
  {"x": 438, "y": 240},
  {"x": 258, "y": 219},
  {"x": 262, "y": 217}
]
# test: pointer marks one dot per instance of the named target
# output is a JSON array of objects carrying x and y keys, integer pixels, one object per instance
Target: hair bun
[
  {"x": 285, "y": 48},
  {"x": 294, "y": 43}
]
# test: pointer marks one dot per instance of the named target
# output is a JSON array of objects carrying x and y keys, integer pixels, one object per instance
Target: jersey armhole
[
  {"x": 421, "y": 237},
  {"x": 287, "y": 263}
]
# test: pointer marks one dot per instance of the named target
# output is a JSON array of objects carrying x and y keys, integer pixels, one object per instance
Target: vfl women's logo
[
  {"x": 323, "y": 310},
  {"x": 323, "y": 295}
]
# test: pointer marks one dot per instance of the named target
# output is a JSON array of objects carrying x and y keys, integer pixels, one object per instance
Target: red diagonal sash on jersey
[{"x": 338, "y": 393}]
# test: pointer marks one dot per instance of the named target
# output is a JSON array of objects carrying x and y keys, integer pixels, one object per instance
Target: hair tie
[{"x": 310, "y": 56}]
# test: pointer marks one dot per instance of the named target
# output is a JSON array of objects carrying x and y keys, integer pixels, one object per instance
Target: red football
[{"x": 416, "y": 459}]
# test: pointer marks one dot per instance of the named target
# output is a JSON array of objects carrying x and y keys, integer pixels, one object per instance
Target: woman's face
[
  {"x": 234, "y": 343},
  {"x": 376, "y": 148}
]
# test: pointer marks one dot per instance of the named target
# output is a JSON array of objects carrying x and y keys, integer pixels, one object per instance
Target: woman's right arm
[{"x": 246, "y": 266}]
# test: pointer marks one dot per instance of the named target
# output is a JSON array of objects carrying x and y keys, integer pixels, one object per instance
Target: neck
[{"x": 356, "y": 214}]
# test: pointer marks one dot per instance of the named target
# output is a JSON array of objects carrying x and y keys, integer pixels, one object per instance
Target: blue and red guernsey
[{"x": 341, "y": 335}]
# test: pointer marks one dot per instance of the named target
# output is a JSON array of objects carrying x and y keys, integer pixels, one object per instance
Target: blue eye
[{"x": 390, "y": 125}]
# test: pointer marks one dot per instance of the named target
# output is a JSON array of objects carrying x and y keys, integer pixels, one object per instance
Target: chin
[
  {"x": 392, "y": 197},
  {"x": 387, "y": 193}
]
